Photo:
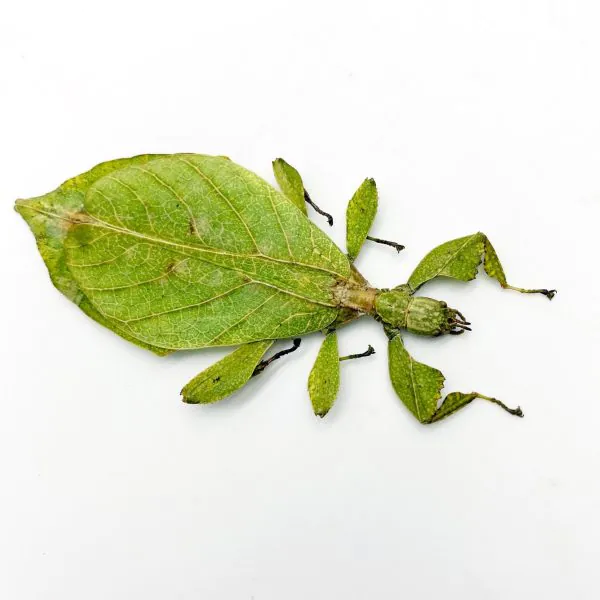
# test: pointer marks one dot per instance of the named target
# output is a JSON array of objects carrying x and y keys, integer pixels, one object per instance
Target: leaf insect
[{"x": 187, "y": 251}]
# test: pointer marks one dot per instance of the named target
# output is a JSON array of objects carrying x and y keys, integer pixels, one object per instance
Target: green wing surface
[
  {"x": 190, "y": 251},
  {"x": 48, "y": 217}
]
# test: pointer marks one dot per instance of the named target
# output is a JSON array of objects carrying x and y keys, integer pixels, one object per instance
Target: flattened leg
[
  {"x": 231, "y": 373},
  {"x": 324, "y": 378},
  {"x": 460, "y": 259},
  {"x": 419, "y": 386},
  {"x": 360, "y": 215},
  {"x": 291, "y": 185}
]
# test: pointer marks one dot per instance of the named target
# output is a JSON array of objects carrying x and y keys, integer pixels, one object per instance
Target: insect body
[{"x": 189, "y": 251}]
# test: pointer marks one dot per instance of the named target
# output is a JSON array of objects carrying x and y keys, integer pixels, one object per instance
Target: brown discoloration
[
  {"x": 78, "y": 218},
  {"x": 192, "y": 228}
]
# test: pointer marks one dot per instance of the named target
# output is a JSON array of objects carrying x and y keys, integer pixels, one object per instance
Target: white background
[{"x": 470, "y": 116}]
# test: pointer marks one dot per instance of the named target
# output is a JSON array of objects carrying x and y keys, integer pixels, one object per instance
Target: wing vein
[
  {"x": 182, "y": 308},
  {"x": 222, "y": 333},
  {"x": 222, "y": 195}
]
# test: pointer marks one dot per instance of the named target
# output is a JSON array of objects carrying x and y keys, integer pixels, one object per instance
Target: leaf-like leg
[
  {"x": 419, "y": 386},
  {"x": 324, "y": 378},
  {"x": 360, "y": 215},
  {"x": 227, "y": 375},
  {"x": 460, "y": 259},
  {"x": 290, "y": 182}
]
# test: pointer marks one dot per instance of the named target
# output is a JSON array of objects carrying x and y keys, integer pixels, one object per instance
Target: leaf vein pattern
[
  {"x": 251, "y": 312},
  {"x": 187, "y": 307},
  {"x": 223, "y": 196},
  {"x": 138, "y": 197},
  {"x": 451, "y": 258}
]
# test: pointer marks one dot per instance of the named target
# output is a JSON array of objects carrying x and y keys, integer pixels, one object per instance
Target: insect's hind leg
[
  {"x": 231, "y": 373},
  {"x": 292, "y": 186},
  {"x": 263, "y": 364},
  {"x": 309, "y": 200}
]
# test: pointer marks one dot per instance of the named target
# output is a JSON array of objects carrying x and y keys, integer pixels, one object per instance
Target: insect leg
[
  {"x": 360, "y": 215},
  {"x": 460, "y": 259},
  {"x": 324, "y": 378},
  {"x": 291, "y": 185},
  {"x": 368, "y": 352},
  {"x": 398, "y": 247},
  {"x": 419, "y": 386},
  {"x": 457, "y": 400},
  {"x": 263, "y": 364},
  {"x": 308, "y": 200},
  {"x": 227, "y": 375}
]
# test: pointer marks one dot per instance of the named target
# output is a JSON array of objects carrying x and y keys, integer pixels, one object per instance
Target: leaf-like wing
[
  {"x": 290, "y": 182},
  {"x": 191, "y": 251},
  {"x": 226, "y": 376},
  {"x": 50, "y": 218},
  {"x": 359, "y": 216},
  {"x": 324, "y": 378}
]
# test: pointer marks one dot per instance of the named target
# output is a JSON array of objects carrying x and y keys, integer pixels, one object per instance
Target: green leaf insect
[{"x": 188, "y": 251}]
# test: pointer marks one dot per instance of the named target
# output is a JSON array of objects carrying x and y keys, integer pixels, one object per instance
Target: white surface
[{"x": 471, "y": 116}]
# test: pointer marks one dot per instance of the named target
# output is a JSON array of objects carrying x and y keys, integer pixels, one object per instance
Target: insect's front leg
[
  {"x": 460, "y": 259},
  {"x": 231, "y": 373},
  {"x": 419, "y": 386},
  {"x": 324, "y": 378},
  {"x": 292, "y": 186}
]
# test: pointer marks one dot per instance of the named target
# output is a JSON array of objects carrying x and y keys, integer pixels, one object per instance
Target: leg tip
[{"x": 549, "y": 293}]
